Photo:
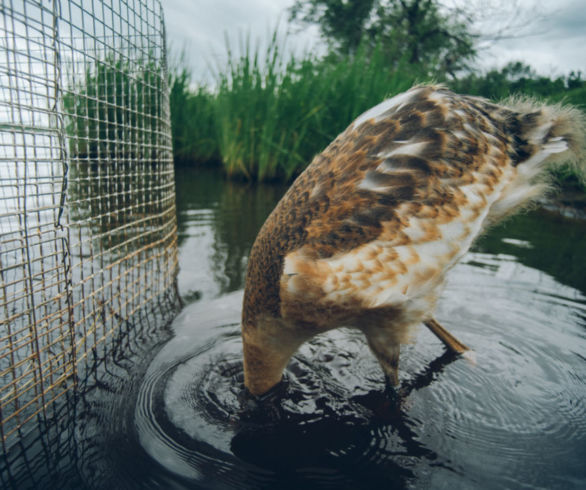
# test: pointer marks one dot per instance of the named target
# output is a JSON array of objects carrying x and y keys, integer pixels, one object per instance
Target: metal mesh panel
[{"x": 87, "y": 210}]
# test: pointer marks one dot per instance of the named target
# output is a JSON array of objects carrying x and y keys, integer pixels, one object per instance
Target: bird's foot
[{"x": 470, "y": 356}]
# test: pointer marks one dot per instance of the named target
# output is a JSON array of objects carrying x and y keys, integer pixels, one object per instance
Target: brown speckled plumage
[{"x": 365, "y": 236}]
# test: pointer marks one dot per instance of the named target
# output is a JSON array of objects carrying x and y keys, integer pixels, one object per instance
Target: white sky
[{"x": 556, "y": 43}]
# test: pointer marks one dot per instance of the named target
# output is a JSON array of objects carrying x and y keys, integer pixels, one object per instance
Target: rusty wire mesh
[{"x": 87, "y": 205}]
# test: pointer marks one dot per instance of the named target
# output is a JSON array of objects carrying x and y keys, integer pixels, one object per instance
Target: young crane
[{"x": 365, "y": 236}]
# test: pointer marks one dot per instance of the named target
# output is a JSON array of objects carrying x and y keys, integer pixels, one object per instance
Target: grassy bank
[{"x": 270, "y": 112}]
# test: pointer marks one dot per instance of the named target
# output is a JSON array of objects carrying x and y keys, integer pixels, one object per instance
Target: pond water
[{"x": 171, "y": 417}]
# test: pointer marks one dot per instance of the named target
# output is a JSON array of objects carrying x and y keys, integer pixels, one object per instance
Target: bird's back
[{"x": 380, "y": 216}]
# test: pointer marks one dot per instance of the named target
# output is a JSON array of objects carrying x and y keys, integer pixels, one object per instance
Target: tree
[
  {"x": 420, "y": 32},
  {"x": 342, "y": 22}
]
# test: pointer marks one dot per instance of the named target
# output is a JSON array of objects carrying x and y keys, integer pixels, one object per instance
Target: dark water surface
[{"x": 169, "y": 417}]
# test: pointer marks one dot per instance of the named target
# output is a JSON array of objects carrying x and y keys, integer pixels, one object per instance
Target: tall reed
[
  {"x": 273, "y": 111},
  {"x": 114, "y": 109},
  {"x": 192, "y": 121}
]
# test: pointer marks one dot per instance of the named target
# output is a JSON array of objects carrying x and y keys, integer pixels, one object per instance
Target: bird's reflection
[{"x": 375, "y": 443}]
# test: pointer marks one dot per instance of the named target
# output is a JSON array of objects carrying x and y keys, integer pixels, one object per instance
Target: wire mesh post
[{"x": 87, "y": 203}]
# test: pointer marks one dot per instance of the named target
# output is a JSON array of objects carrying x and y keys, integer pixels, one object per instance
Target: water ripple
[{"x": 515, "y": 418}]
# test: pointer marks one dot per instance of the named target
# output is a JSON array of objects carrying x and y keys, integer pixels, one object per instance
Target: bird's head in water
[{"x": 267, "y": 350}]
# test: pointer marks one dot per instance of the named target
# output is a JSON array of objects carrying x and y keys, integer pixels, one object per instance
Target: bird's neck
[{"x": 267, "y": 346}]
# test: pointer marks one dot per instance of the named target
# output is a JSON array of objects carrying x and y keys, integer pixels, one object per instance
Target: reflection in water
[
  {"x": 514, "y": 418},
  {"x": 544, "y": 241},
  {"x": 118, "y": 204},
  {"x": 218, "y": 221},
  {"x": 170, "y": 415},
  {"x": 189, "y": 413},
  {"x": 224, "y": 217},
  {"x": 518, "y": 299}
]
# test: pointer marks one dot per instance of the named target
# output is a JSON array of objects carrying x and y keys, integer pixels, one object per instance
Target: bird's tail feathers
[{"x": 549, "y": 134}]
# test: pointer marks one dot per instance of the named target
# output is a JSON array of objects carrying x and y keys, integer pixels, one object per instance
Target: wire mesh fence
[{"x": 87, "y": 204}]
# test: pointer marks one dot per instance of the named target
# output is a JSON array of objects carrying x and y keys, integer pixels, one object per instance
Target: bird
[{"x": 367, "y": 233}]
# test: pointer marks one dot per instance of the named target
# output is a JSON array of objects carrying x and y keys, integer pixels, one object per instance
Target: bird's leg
[
  {"x": 387, "y": 351},
  {"x": 386, "y": 348},
  {"x": 451, "y": 342},
  {"x": 389, "y": 360}
]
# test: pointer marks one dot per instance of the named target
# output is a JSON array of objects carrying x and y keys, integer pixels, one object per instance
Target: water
[
  {"x": 171, "y": 415},
  {"x": 515, "y": 418}
]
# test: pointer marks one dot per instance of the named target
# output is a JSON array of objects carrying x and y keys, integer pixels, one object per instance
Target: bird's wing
[{"x": 393, "y": 202}]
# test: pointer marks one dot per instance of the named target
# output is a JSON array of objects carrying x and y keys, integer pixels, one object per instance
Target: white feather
[
  {"x": 383, "y": 107},
  {"x": 289, "y": 266},
  {"x": 369, "y": 183},
  {"x": 537, "y": 135},
  {"x": 556, "y": 145},
  {"x": 412, "y": 149},
  {"x": 531, "y": 166}
]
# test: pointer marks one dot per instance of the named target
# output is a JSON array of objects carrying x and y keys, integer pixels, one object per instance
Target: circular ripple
[
  {"x": 193, "y": 419},
  {"x": 521, "y": 408},
  {"x": 518, "y": 415}
]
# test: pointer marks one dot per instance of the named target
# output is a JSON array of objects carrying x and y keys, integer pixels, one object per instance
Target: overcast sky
[{"x": 554, "y": 44}]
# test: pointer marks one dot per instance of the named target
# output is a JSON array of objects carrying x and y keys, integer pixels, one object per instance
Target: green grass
[
  {"x": 268, "y": 112},
  {"x": 272, "y": 112},
  {"x": 115, "y": 109},
  {"x": 192, "y": 121}
]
